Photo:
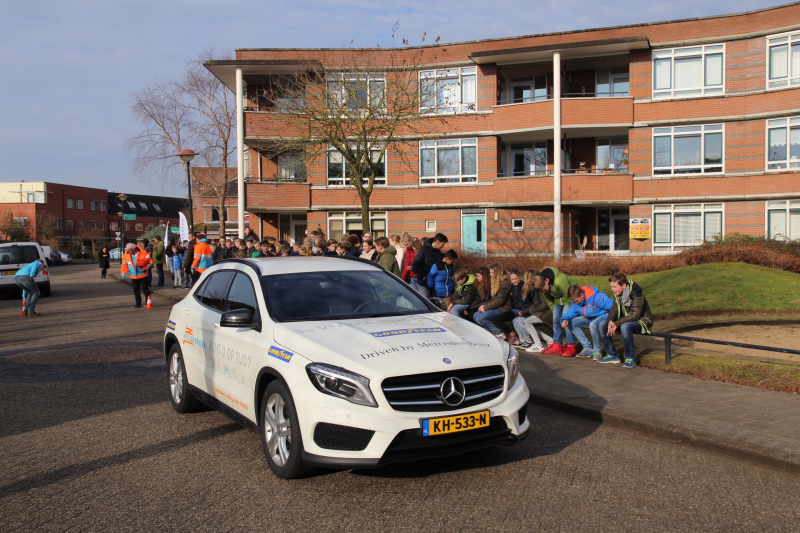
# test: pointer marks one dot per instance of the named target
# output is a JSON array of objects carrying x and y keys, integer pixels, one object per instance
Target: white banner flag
[{"x": 184, "y": 228}]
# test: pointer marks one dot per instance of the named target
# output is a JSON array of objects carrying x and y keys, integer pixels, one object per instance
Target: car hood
[{"x": 389, "y": 341}]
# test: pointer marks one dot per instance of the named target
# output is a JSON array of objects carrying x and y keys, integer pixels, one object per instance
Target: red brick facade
[{"x": 597, "y": 202}]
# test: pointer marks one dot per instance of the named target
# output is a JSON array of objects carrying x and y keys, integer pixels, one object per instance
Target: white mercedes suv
[{"x": 337, "y": 363}]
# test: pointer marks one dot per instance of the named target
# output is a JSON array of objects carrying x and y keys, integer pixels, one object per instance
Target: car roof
[{"x": 267, "y": 266}]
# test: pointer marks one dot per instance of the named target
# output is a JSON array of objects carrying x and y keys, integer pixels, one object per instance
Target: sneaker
[
  {"x": 569, "y": 351},
  {"x": 586, "y": 352},
  {"x": 630, "y": 362},
  {"x": 525, "y": 345},
  {"x": 513, "y": 339},
  {"x": 500, "y": 336},
  {"x": 553, "y": 349},
  {"x": 517, "y": 342},
  {"x": 533, "y": 349},
  {"x": 596, "y": 356},
  {"x": 33, "y": 313},
  {"x": 612, "y": 359}
]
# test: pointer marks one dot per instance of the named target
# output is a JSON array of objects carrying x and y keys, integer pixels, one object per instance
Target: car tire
[
  {"x": 280, "y": 433},
  {"x": 179, "y": 395},
  {"x": 46, "y": 290}
]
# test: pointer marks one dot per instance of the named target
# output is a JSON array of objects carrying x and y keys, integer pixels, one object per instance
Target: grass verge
[{"x": 771, "y": 376}]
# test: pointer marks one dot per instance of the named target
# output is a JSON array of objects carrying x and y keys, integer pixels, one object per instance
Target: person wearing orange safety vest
[
  {"x": 202, "y": 258},
  {"x": 137, "y": 263}
]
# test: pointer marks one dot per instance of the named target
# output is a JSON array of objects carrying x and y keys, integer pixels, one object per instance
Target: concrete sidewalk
[{"x": 753, "y": 424}]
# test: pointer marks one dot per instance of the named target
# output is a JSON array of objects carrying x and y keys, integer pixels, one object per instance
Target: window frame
[
  {"x": 705, "y": 89},
  {"x": 69, "y": 225},
  {"x": 344, "y": 77},
  {"x": 792, "y": 38},
  {"x": 444, "y": 74},
  {"x": 789, "y": 206},
  {"x": 689, "y": 209},
  {"x": 93, "y": 205},
  {"x": 611, "y": 145},
  {"x": 719, "y": 128},
  {"x": 70, "y": 203},
  {"x": 790, "y": 123},
  {"x": 298, "y": 173},
  {"x": 355, "y": 216},
  {"x": 78, "y": 204},
  {"x": 430, "y": 226},
  {"x": 344, "y": 179},
  {"x": 463, "y": 179},
  {"x": 521, "y": 226}
]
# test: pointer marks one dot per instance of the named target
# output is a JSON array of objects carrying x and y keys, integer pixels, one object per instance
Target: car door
[{"x": 188, "y": 330}]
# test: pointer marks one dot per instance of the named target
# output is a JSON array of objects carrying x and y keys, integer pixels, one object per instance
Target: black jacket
[
  {"x": 188, "y": 256},
  {"x": 104, "y": 259},
  {"x": 516, "y": 297},
  {"x": 425, "y": 259}
]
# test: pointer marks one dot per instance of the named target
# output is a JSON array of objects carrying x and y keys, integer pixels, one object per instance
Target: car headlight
[
  {"x": 341, "y": 383},
  {"x": 513, "y": 366}
]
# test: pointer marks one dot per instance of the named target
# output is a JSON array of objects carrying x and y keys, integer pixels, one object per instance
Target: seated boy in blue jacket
[
  {"x": 590, "y": 309},
  {"x": 441, "y": 281}
]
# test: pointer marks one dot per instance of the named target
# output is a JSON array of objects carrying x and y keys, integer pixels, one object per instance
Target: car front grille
[{"x": 421, "y": 392}]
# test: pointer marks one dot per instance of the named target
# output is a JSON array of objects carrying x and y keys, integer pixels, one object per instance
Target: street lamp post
[
  {"x": 122, "y": 197},
  {"x": 187, "y": 156}
]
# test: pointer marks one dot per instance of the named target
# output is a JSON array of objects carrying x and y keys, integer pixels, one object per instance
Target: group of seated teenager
[{"x": 535, "y": 303}]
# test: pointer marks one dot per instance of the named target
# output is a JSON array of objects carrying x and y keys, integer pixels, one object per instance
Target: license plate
[
  {"x": 453, "y": 424},
  {"x": 9, "y": 272}
]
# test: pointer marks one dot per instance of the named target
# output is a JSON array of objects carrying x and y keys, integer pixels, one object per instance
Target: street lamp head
[
  {"x": 119, "y": 214},
  {"x": 186, "y": 155},
  {"x": 122, "y": 196}
]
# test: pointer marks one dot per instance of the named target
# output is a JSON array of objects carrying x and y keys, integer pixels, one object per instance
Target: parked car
[
  {"x": 115, "y": 254},
  {"x": 48, "y": 253},
  {"x": 63, "y": 258},
  {"x": 15, "y": 255},
  {"x": 337, "y": 363}
]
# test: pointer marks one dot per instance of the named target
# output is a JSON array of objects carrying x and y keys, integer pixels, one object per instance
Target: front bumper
[{"x": 398, "y": 435}]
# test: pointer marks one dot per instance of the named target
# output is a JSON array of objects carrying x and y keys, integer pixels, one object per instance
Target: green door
[{"x": 473, "y": 234}]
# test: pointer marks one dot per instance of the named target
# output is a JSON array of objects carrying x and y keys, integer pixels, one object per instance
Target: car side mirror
[
  {"x": 239, "y": 318},
  {"x": 438, "y": 302}
]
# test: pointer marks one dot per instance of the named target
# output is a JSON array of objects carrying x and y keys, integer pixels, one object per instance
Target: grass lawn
[{"x": 714, "y": 287}]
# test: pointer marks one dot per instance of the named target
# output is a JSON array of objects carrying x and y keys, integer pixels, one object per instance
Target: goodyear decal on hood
[
  {"x": 171, "y": 325},
  {"x": 393, "y": 332},
  {"x": 279, "y": 353}
]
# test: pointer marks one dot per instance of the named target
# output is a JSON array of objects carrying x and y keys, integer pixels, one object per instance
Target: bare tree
[
  {"x": 46, "y": 232},
  {"x": 352, "y": 109},
  {"x": 195, "y": 112},
  {"x": 13, "y": 229}
]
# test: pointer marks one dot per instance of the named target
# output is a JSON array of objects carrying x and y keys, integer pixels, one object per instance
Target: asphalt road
[{"x": 88, "y": 441}]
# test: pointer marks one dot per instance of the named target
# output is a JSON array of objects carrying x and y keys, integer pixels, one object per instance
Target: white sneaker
[
  {"x": 534, "y": 348},
  {"x": 500, "y": 336}
]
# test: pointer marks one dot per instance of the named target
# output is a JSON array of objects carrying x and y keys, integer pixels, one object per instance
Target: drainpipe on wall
[
  {"x": 557, "y": 156},
  {"x": 240, "y": 146}
]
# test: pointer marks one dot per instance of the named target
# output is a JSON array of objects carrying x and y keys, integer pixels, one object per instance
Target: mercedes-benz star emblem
[{"x": 453, "y": 392}]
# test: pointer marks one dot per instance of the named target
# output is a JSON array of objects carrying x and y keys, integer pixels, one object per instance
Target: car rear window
[
  {"x": 339, "y": 295},
  {"x": 13, "y": 255}
]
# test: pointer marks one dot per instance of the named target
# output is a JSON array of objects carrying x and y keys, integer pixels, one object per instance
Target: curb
[{"x": 681, "y": 435}]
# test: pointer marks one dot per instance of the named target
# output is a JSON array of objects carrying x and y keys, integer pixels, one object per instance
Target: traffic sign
[
  {"x": 175, "y": 229},
  {"x": 117, "y": 234},
  {"x": 129, "y": 217}
]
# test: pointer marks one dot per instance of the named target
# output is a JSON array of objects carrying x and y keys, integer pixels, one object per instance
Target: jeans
[
  {"x": 422, "y": 288},
  {"x": 142, "y": 284},
  {"x": 176, "y": 278},
  {"x": 627, "y": 330},
  {"x": 519, "y": 326},
  {"x": 29, "y": 285},
  {"x": 160, "y": 270},
  {"x": 458, "y": 310},
  {"x": 595, "y": 328},
  {"x": 533, "y": 332},
  {"x": 558, "y": 311},
  {"x": 506, "y": 316},
  {"x": 484, "y": 320}
]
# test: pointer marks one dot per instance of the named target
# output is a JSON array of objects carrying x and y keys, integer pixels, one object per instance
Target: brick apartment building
[
  {"x": 206, "y": 202},
  {"x": 658, "y": 135},
  {"x": 81, "y": 213}
]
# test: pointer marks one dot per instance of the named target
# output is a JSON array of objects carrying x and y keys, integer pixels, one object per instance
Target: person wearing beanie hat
[{"x": 137, "y": 263}]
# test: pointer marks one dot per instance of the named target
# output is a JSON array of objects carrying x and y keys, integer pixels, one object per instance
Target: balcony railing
[
  {"x": 275, "y": 179},
  {"x": 542, "y": 98},
  {"x": 550, "y": 172}
]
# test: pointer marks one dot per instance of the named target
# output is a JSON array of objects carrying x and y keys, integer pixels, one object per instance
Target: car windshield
[
  {"x": 339, "y": 295},
  {"x": 15, "y": 255}
]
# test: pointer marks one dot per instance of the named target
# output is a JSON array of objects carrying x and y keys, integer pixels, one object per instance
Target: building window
[
  {"x": 132, "y": 205},
  {"x": 612, "y": 83},
  {"x": 92, "y": 224},
  {"x": 114, "y": 226},
  {"x": 430, "y": 226},
  {"x": 680, "y": 226},
  {"x": 516, "y": 224},
  {"x": 337, "y": 168},
  {"x": 686, "y": 72},
  {"x": 277, "y": 94},
  {"x": 69, "y": 224},
  {"x": 612, "y": 154},
  {"x": 356, "y": 91},
  {"x": 291, "y": 167},
  {"x": 451, "y": 90},
  {"x": 81, "y": 224},
  {"x": 127, "y": 226},
  {"x": 103, "y": 225},
  {"x": 21, "y": 220},
  {"x": 70, "y": 203},
  {"x": 143, "y": 206},
  {"x": 93, "y": 205},
  {"x": 688, "y": 149},
  {"x": 783, "y": 140},
  {"x": 451, "y": 161},
  {"x": 156, "y": 207},
  {"x": 139, "y": 226},
  {"x": 150, "y": 226},
  {"x": 527, "y": 159},
  {"x": 783, "y": 58},
  {"x": 79, "y": 204},
  {"x": 57, "y": 223},
  {"x": 214, "y": 214},
  {"x": 31, "y": 197},
  {"x": 783, "y": 220},
  {"x": 350, "y": 223},
  {"x": 101, "y": 206}
]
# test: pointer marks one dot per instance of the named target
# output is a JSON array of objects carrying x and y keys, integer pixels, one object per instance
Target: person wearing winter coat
[
  {"x": 517, "y": 300},
  {"x": 386, "y": 256},
  {"x": 497, "y": 304},
  {"x": 159, "y": 259},
  {"x": 441, "y": 282},
  {"x": 536, "y": 314},
  {"x": 368, "y": 251},
  {"x": 105, "y": 261},
  {"x": 629, "y": 315},
  {"x": 412, "y": 246},
  {"x": 428, "y": 255},
  {"x": 177, "y": 267},
  {"x": 202, "y": 258},
  {"x": 589, "y": 309},
  {"x": 464, "y": 293},
  {"x": 554, "y": 285},
  {"x": 188, "y": 259}
]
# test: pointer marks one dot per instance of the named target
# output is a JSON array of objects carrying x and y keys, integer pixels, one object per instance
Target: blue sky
[{"x": 67, "y": 69}]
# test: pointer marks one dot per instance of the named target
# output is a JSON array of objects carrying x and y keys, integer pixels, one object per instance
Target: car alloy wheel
[
  {"x": 181, "y": 398},
  {"x": 278, "y": 430},
  {"x": 176, "y": 378}
]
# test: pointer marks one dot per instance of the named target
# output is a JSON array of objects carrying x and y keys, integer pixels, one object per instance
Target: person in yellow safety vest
[
  {"x": 202, "y": 257},
  {"x": 137, "y": 263}
]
